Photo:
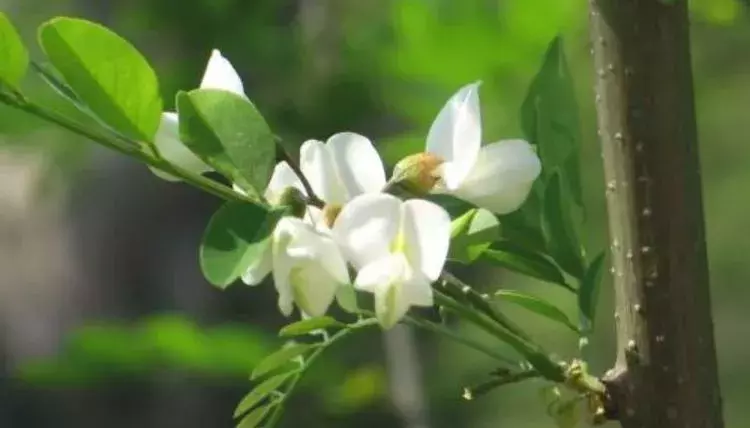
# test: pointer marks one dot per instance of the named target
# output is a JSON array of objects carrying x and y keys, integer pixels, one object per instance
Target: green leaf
[
  {"x": 62, "y": 88},
  {"x": 523, "y": 261},
  {"x": 550, "y": 119},
  {"x": 107, "y": 73},
  {"x": 238, "y": 234},
  {"x": 254, "y": 418},
  {"x": 227, "y": 132},
  {"x": 308, "y": 325},
  {"x": 517, "y": 227},
  {"x": 472, "y": 234},
  {"x": 280, "y": 358},
  {"x": 346, "y": 297},
  {"x": 538, "y": 306},
  {"x": 14, "y": 58},
  {"x": 559, "y": 231},
  {"x": 589, "y": 292},
  {"x": 260, "y": 392}
]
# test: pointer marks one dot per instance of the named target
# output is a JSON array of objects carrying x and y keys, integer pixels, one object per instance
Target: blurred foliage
[{"x": 101, "y": 350}]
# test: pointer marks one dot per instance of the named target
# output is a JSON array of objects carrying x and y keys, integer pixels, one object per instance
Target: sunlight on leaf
[
  {"x": 227, "y": 132},
  {"x": 107, "y": 73},
  {"x": 14, "y": 58}
]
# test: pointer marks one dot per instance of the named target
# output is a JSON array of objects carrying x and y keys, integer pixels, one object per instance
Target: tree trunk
[{"x": 666, "y": 372}]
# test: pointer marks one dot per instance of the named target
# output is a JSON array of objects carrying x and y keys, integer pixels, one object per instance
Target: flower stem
[
  {"x": 436, "y": 328},
  {"x": 344, "y": 332},
  {"x": 312, "y": 198},
  {"x": 140, "y": 151}
]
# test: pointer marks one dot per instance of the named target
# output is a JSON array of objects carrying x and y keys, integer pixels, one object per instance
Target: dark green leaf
[
  {"x": 228, "y": 133},
  {"x": 254, "y": 418},
  {"x": 260, "y": 392},
  {"x": 14, "y": 58},
  {"x": 550, "y": 118},
  {"x": 587, "y": 295},
  {"x": 559, "y": 231},
  {"x": 520, "y": 228},
  {"x": 280, "y": 358},
  {"x": 471, "y": 234},
  {"x": 107, "y": 73},
  {"x": 309, "y": 325},
  {"x": 538, "y": 306},
  {"x": 523, "y": 261},
  {"x": 238, "y": 234}
]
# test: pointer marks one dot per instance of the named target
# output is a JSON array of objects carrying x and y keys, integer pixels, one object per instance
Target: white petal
[
  {"x": 169, "y": 146},
  {"x": 260, "y": 268},
  {"x": 314, "y": 217},
  {"x": 386, "y": 278},
  {"x": 417, "y": 290},
  {"x": 313, "y": 287},
  {"x": 308, "y": 265},
  {"x": 456, "y": 134},
  {"x": 220, "y": 74},
  {"x": 502, "y": 177},
  {"x": 381, "y": 272},
  {"x": 426, "y": 228},
  {"x": 283, "y": 263},
  {"x": 358, "y": 164},
  {"x": 317, "y": 163},
  {"x": 283, "y": 176},
  {"x": 366, "y": 227}
]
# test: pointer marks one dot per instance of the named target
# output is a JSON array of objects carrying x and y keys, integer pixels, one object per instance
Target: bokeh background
[{"x": 105, "y": 319}]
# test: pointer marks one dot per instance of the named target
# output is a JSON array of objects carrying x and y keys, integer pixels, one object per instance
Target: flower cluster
[{"x": 398, "y": 248}]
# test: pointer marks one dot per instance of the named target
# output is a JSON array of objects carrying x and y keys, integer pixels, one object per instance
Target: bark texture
[{"x": 666, "y": 372}]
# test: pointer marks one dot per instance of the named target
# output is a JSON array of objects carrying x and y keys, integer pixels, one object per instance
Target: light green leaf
[
  {"x": 238, "y": 234},
  {"x": 309, "y": 325},
  {"x": 523, "y": 261},
  {"x": 559, "y": 231},
  {"x": 62, "y": 88},
  {"x": 550, "y": 119},
  {"x": 538, "y": 306},
  {"x": 254, "y": 418},
  {"x": 227, "y": 132},
  {"x": 589, "y": 292},
  {"x": 280, "y": 358},
  {"x": 107, "y": 73},
  {"x": 14, "y": 58},
  {"x": 346, "y": 297},
  {"x": 472, "y": 234},
  {"x": 260, "y": 392}
]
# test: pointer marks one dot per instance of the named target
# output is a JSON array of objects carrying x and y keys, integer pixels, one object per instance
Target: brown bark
[{"x": 666, "y": 372}]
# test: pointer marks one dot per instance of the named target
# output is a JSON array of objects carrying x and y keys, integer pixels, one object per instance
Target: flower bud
[
  {"x": 294, "y": 200},
  {"x": 419, "y": 173}
]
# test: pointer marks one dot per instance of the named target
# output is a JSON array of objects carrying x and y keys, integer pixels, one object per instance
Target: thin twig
[{"x": 312, "y": 198}]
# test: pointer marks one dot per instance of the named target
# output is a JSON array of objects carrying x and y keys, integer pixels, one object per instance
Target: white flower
[
  {"x": 345, "y": 166},
  {"x": 219, "y": 74},
  {"x": 282, "y": 178},
  {"x": 497, "y": 176},
  {"x": 399, "y": 249},
  {"x": 308, "y": 268}
]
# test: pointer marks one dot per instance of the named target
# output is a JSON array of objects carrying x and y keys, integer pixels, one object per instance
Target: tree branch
[{"x": 666, "y": 373}]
